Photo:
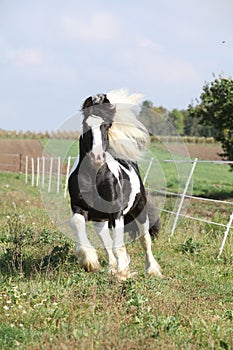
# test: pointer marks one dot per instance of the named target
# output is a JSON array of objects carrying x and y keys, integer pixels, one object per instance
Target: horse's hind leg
[
  {"x": 102, "y": 231},
  {"x": 86, "y": 254},
  {"x": 151, "y": 265},
  {"x": 119, "y": 250}
]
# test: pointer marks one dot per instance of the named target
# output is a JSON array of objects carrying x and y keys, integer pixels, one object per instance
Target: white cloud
[
  {"x": 96, "y": 27},
  {"x": 22, "y": 57}
]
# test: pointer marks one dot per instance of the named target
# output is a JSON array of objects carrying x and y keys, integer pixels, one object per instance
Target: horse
[{"x": 106, "y": 188}]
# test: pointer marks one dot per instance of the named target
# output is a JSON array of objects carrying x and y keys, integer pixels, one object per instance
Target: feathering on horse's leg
[
  {"x": 151, "y": 265},
  {"x": 102, "y": 231},
  {"x": 86, "y": 253},
  {"x": 119, "y": 250}
]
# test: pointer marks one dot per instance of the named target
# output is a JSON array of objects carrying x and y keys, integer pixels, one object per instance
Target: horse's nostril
[{"x": 97, "y": 159}]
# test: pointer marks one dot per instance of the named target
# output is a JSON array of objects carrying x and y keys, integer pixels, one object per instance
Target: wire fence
[
  {"x": 12, "y": 162},
  {"x": 52, "y": 173}
]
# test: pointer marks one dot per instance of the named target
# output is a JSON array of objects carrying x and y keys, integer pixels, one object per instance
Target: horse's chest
[
  {"x": 111, "y": 188},
  {"x": 119, "y": 184}
]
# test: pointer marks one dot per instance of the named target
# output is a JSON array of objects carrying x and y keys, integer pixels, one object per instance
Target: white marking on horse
[
  {"x": 102, "y": 231},
  {"x": 119, "y": 250},
  {"x": 79, "y": 226},
  {"x": 86, "y": 253},
  {"x": 134, "y": 180},
  {"x": 113, "y": 166},
  {"x": 94, "y": 122},
  {"x": 151, "y": 265}
]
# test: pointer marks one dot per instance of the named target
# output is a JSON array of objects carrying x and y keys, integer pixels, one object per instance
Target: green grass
[
  {"x": 48, "y": 302},
  {"x": 209, "y": 180}
]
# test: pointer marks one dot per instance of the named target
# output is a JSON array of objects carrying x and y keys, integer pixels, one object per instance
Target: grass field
[
  {"x": 48, "y": 302},
  {"x": 209, "y": 179}
]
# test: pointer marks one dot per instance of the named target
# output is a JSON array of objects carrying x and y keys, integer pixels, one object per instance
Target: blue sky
[{"x": 54, "y": 54}]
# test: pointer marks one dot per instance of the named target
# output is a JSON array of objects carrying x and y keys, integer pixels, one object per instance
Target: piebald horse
[{"x": 105, "y": 186}]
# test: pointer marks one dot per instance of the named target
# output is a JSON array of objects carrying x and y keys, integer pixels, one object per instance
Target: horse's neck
[
  {"x": 82, "y": 150},
  {"x": 109, "y": 157}
]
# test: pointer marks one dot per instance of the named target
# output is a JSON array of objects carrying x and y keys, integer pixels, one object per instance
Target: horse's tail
[{"x": 154, "y": 220}]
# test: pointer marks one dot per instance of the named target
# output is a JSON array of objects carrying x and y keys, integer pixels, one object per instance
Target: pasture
[{"x": 48, "y": 302}]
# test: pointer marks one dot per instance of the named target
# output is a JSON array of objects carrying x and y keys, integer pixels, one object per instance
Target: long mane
[{"x": 128, "y": 137}]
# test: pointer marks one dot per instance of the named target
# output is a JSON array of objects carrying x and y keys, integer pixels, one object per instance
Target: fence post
[
  {"x": 50, "y": 174},
  {"x": 43, "y": 171},
  {"x": 26, "y": 169},
  {"x": 67, "y": 176},
  {"x": 148, "y": 170},
  {"x": 37, "y": 172},
  {"x": 225, "y": 235},
  {"x": 183, "y": 196},
  {"x": 58, "y": 173},
  {"x": 20, "y": 163},
  {"x": 33, "y": 170}
]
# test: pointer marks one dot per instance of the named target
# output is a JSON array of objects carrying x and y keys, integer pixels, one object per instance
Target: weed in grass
[
  {"x": 47, "y": 236},
  {"x": 16, "y": 237},
  {"x": 190, "y": 247},
  {"x": 223, "y": 345},
  {"x": 58, "y": 256},
  {"x": 20, "y": 244},
  {"x": 229, "y": 315}
]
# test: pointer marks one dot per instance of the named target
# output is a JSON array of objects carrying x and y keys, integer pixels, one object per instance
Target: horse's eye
[{"x": 105, "y": 126}]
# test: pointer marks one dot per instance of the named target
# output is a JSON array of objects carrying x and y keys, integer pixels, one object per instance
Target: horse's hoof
[
  {"x": 91, "y": 267},
  {"x": 112, "y": 269},
  {"x": 88, "y": 259},
  {"x": 123, "y": 274},
  {"x": 154, "y": 272}
]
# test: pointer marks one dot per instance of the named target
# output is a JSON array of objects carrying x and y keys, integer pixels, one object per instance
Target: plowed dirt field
[
  {"x": 13, "y": 152},
  {"x": 203, "y": 151}
]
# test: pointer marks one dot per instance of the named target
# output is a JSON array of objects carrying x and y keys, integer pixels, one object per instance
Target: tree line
[
  {"x": 160, "y": 121},
  {"x": 58, "y": 134}
]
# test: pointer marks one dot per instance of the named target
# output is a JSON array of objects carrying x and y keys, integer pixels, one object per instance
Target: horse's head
[{"x": 98, "y": 117}]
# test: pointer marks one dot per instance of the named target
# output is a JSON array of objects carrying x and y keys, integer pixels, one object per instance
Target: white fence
[
  {"x": 55, "y": 168},
  {"x": 45, "y": 167}
]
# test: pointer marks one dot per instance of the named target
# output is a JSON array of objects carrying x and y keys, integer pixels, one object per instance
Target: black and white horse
[{"x": 105, "y": 186}]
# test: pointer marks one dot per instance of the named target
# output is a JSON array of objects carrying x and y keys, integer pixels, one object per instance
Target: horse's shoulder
[{"x": 128, "y": 164}]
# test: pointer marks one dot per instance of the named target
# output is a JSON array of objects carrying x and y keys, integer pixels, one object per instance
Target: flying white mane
[{"x": 128, "y": 137}]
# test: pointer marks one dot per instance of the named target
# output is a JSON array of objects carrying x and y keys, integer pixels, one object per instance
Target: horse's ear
[
  {"x": 106, "y": 100},
  {"x": 87, "y": 103}
]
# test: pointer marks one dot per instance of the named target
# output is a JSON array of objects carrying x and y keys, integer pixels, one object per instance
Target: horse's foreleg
[
  {"x": 151, "y": 265},
  {"x": 102, "y": 231},
  {"x": 87, "y": 256},
  {"x": 119, "y": 250}
]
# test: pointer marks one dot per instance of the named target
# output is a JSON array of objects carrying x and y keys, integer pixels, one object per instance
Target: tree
[
  {"x": 177, "y": 119},
  {"x": 215, "y": 109},
  {"x": 193, "y": 127},
  {"x": 157, "y": 119},
  {"x": 153, "y": 118}
]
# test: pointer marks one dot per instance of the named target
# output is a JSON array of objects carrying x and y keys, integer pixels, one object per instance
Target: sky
[{"x": 54, "y": 54}]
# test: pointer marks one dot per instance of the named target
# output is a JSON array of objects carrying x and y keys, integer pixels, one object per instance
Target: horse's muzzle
[{"x": 97, "y": 160}]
